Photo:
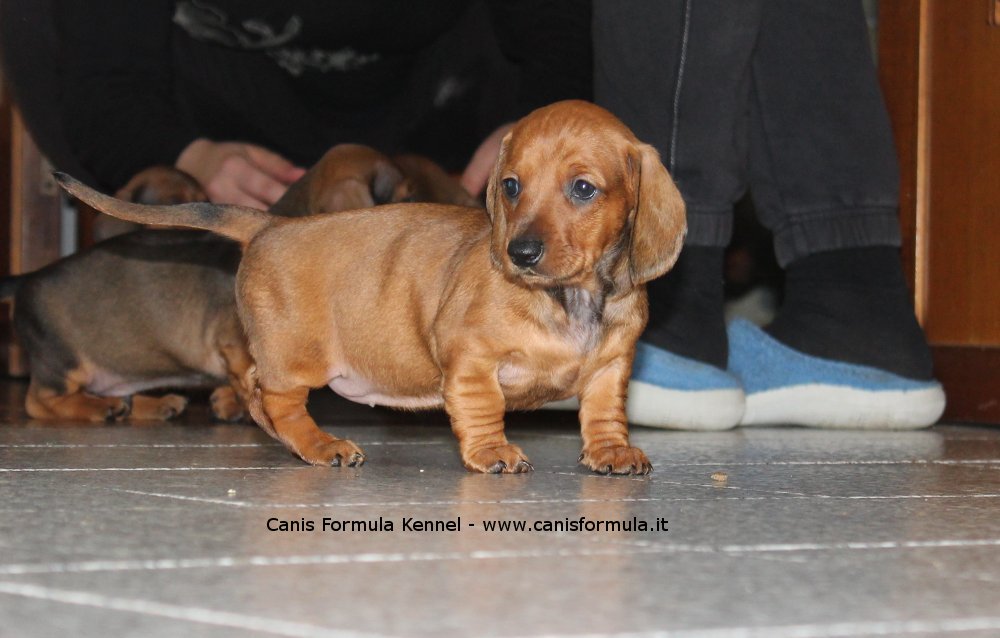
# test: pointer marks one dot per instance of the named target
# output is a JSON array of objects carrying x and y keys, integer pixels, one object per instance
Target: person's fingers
[
  {"x": 230, "y": 175},
  {"x": 476, "y": 174},
  {"x": 237, "y": 181},
  {"x": 225, "y": 191},
  {"x": 273, "y": 164},
  {"x": 261, "y": 186}
]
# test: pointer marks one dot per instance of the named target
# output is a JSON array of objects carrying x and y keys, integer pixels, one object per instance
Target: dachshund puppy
[
  {"x": 156, "y": 308},
  {"x": 422, "y": 306}
]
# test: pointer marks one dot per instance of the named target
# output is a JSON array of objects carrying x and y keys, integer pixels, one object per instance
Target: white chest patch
[{"x": 584, "y": 311}]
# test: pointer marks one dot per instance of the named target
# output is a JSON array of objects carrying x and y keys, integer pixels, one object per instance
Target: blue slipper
[
  {"x": 670, "y": 391},
  {"x": 785, "y": 386}
]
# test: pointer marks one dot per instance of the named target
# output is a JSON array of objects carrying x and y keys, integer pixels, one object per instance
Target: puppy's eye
[
  {"x": 511, "y": 187},
  {"x": 582, "y": 189}
]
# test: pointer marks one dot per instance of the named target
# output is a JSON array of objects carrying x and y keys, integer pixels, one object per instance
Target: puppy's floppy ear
[
  {"x": 494, "y": 206},
  {"x": 345, "y": 194},
  {"x": 382, "y": 184},
  {"x": 659, "y": 222},
  {"x": 493, "y": 191}
]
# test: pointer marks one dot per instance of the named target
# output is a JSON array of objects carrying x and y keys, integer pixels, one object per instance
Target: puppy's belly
[
  {"x": 124, "y": 378},
  {"x": 352, "y": 387},
  {"x": 110, "y": 384}
]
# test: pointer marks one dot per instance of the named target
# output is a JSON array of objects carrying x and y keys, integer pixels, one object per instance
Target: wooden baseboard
[{"x": 971, "y": 379}]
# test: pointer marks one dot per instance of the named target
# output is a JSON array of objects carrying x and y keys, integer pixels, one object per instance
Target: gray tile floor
[{"x": 163, "y": 531}]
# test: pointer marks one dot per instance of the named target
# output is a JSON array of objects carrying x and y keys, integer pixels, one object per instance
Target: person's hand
[
  {"x": 238, "y": 173},
  {"x": 478, "y": 171}
]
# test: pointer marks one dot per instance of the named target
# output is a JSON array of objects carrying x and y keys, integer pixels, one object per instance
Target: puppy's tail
[{"x": 234, "y": 222}]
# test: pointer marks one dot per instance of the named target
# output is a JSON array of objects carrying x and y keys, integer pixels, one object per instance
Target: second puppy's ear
[
  {"x": 388, "y": 184},
  {"x": 431, "y": 183},
  {"x": 347, "y": 194}
]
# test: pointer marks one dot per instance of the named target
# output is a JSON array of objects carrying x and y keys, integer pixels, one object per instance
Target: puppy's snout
[{"x": 525, "y": 252}]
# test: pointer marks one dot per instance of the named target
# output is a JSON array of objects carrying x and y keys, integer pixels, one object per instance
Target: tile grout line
[
  {"x": 57, "y": 446},
  {"x": 206, "y": 468},
  {"x": 808, "y": 463},
  {"x": 176, "y": 612},
  {"x": 168, "y": 564},
  {"x": 778, "y": 494},
  {"x": 305, "y": 630},
  {"x": 832, "y": 630},
  {"x": 634, "y": 548},
  {"x": 679, "y": 499},
  {"x": 219, "y": 501}
]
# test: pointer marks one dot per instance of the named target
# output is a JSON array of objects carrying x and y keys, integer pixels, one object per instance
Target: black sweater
[{"x": 141, "y": 79}]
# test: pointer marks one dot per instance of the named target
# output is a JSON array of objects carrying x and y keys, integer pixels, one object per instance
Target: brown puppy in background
[
  {"x": 419, "y": 306},
  {"x": 430, "y": 183},
  {"x": 352, "y": 176},
  {"x": 154, "y": 185},
  {"x": 155, "y": 308}
]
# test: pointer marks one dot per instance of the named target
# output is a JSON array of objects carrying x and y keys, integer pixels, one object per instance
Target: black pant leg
[
  {"x": 823, "y": 168},
  {"x": 678, "y": 74}
]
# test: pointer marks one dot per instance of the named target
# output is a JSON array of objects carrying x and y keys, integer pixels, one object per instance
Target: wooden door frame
[{"x": 970, "y": 374}]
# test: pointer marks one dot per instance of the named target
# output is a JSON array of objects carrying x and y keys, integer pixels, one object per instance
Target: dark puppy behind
[
  {"x": 147, "y": 309},
  {"x": 155, "y": 308}
]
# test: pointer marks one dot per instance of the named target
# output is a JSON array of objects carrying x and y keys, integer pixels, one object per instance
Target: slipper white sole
[
  {"x": 826, "y": 406},
  {"x": 706, "y": 410}
]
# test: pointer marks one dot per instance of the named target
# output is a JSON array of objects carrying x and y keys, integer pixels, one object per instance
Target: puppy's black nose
[{"x": 525, "y": 252}]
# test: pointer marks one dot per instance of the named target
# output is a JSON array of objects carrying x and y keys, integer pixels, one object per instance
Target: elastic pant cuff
[
  {"x": 709, "y": 228},
  {"x": 834, "y": 230}
]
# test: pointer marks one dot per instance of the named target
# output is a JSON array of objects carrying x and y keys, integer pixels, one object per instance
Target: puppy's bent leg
[
  {"x": 226, "y": 405},
  {"x": 70, "y": 402},
  {"x": 229, "y": 401},
  {"x": 147, "y": 408},
  {"x": 475, "y": 403},
  {"x": 277, "y": 403},
  {"x": 603, "y": 424},
  {"x": 286, "y": 411}
]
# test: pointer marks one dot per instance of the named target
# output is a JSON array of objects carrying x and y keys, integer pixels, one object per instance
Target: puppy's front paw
[
  {"x": 503, "y": 459},
  {"x": 620, "y": 459},
  {"x": 334, "y": 452}
]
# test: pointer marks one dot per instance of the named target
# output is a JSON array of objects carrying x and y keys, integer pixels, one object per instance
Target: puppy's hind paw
[
  {"x": 619, "y": 459},
  {"x": 118, "y": 409},
  {"x": 146, "y": 408},
  {"x": 504, "y": 459},
  {"x": 172, "y": 405},
  {"x": 335, "y": 453}
]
